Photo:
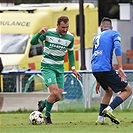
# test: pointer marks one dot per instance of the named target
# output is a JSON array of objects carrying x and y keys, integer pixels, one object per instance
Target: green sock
[
  {"x": 48, "y": 108},
  {"x": 43, "y": 103}
]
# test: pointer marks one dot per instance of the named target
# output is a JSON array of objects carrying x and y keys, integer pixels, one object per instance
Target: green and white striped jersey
[{"x": 55, "y": 47}]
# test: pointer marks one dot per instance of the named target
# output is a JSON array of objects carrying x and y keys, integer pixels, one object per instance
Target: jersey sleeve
[
  {"x": 34, "y": 40},
  {"x": 117, "y": 47},
  {"x": 37, "y": 38},
  {"x": 116, "y": 36},
  {"x": 117, "y": 43},
  {"x": 43, "y": 37},
  {"x": 71, "y": 53},
  {"x": 71, "y": 58}
]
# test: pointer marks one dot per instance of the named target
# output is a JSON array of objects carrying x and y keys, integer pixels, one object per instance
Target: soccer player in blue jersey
[
  {"x": 111, "y": 81},
  {"x": 56, "y": 42}
]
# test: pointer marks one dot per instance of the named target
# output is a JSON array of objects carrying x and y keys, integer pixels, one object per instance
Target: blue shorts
[{"x": 110, "y": 79}]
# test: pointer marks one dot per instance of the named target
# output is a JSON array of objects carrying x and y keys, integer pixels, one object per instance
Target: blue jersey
[{"x": 102, "y": 53}]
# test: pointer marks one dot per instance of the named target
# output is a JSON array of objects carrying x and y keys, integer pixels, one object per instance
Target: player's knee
[
  {"x": 56, "y": 95},
  {"x": 128, "y": 90},
  {"x": 109, "y": 92}
]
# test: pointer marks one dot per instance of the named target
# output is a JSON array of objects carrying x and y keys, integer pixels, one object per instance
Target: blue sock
[
  {"x": 102, "y": 107},
  {"x": 116, "y": 102}
]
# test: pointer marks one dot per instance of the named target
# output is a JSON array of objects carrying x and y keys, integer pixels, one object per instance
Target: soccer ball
[{"x": 36, "y": 118}]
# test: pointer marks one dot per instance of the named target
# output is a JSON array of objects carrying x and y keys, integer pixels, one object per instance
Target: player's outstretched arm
[{"x": 35, "y": 38}]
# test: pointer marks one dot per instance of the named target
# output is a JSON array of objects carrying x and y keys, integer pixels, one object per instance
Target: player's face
[{"x": 63, "y": 28}]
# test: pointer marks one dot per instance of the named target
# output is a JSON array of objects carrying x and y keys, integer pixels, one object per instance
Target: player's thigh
[
  {"x": 114, "y": 82},
  {"x": 110, "y": 79},
  {"x": 100, "y": 77}
]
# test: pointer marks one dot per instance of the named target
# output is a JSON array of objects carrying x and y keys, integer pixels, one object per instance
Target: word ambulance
[{"x": 19, "y": 23}]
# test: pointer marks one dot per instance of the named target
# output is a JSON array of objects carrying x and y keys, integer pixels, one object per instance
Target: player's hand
[
  {"x": 97, "y": 88},
  {"x": 121, "y": 74},
  {"x": 78, "y": 76},
  {"x": 43, "y": 30}
]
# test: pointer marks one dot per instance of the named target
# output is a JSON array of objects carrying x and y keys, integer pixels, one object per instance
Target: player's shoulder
[
  {"x": 115, "y": 32},
  {"x": 70, "y": 34},
  {"x": 116, "y": 35},
  {"x": 51, "y": 30}
]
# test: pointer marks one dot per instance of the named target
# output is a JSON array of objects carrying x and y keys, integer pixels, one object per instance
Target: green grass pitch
[{"x": 64, "y": 122}]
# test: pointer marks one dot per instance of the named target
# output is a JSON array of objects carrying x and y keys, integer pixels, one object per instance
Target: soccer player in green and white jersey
[{"x": 56, "y": 42}]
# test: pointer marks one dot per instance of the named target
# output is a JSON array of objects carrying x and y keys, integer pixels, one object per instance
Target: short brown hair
[
  {"x": 65, "y": 19},
  {"x": 106, "y": 19}
]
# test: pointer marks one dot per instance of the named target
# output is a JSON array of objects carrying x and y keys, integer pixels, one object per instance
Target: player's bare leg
[
  {"x": 42, "y": 103},
  {"x": 125, "y": 93},
  {"x": 55, "y": 95},
  {"x": 116, "y": 102},
  {"x": 104, "y": 103}
]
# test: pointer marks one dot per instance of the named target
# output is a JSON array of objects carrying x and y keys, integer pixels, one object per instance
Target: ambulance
[{"x": 19, "y": 23}]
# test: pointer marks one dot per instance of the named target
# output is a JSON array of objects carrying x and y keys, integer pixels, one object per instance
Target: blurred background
[{"x": 21, "y": 19}]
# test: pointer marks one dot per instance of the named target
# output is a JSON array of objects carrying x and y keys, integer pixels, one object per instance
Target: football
[{"x": 36, "y": 118}]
